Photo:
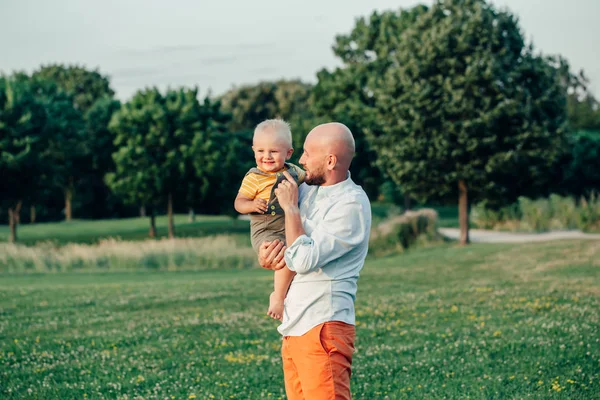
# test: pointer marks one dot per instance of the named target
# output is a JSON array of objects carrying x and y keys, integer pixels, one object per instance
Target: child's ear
[{"x": 289, "y": 154}]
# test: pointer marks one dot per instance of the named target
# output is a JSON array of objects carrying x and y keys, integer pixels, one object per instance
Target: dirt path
[{"x": 484, "y": 236}]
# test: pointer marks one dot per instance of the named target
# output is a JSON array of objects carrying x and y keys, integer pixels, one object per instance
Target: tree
[
  {"x": 338, "y": 96},
  {"x": 85, "y": 86},
  {"x": 468, "y": 110},
  {"x": 584, "y": 112},
  {"x": 22, "y": 138},
  {"x": 66, "y": 152},
  {"x": 74, "y": 150},
  {"x": 581, "y": 171},
  {"x": 235, "y": 158},
  {"x": 251, "y": 104},
  {"x": 346, "y": 93},
  {"x": 165, "y": 147},
  {"x": 99, "y": 201},
  {"x": 215, "y": 163}
]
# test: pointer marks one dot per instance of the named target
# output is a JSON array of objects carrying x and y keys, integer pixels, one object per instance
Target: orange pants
[{"x": 317, "y": 365}]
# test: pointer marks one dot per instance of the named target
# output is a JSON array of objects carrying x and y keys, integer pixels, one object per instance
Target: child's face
[{"x": 270, "y": 152}]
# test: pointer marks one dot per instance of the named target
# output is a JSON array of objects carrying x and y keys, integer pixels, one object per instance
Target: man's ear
[
  {"x": 289, "y": 154},
  {"x": 331, "y": 162}
]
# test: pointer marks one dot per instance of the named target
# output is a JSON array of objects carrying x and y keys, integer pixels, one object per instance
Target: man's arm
[
  {"x": 345, "y": 226},
  {"x": 293, "y": 225},
  {"x": 287, "y": 195}
]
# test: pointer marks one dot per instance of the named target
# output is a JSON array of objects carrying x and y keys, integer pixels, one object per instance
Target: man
[{"x": 327, "y": 226}]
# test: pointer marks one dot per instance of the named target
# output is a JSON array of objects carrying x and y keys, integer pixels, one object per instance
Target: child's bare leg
[{"x": 282, "y": 280}]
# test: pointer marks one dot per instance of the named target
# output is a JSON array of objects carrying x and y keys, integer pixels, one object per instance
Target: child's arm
[{"x": 245, "y": 205}]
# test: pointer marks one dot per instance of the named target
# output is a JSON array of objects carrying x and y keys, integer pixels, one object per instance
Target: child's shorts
[{"x": 266, "y": 228}]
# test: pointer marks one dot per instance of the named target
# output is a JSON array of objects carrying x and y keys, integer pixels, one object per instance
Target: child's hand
[{"x": 260, "y": 206}]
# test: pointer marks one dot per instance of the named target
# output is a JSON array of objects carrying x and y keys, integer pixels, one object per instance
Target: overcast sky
[{"x": 219, "y": 44}]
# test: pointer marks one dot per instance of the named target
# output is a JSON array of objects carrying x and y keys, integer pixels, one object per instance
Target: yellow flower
[
  {"x": 192, "y": 396},
  {"x": 556, "y": 387}
]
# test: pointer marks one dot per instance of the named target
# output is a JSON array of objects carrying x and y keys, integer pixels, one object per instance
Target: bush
[
  {"x": 400, "y": 232},
  {"x": 590, "y": 213},
  {"x": 553, "y": 213},
  {"x": 536, "y": 214}
]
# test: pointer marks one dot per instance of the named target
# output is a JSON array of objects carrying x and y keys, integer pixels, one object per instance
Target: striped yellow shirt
[{"x": 260, "y": 186}]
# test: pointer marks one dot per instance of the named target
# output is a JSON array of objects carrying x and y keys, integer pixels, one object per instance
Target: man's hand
[
  {"x": 287, "y": 192},
  {"x": 270, "y": 255},
  {"x": 260, "y": 206}
]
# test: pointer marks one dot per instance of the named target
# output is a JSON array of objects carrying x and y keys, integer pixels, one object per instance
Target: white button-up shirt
[{"x": 328, "y": 258}]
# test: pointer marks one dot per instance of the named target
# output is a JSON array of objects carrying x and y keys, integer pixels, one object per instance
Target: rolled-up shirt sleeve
[{"x": 343, "y": 227}]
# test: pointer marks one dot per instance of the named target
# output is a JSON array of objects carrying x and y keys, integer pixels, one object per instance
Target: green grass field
[
  {"x": 480, "y": 322},
  {"x": 90, "y": 231}
]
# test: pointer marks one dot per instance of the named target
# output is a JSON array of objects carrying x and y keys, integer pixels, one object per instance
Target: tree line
[{"x": 447, "y": 103}]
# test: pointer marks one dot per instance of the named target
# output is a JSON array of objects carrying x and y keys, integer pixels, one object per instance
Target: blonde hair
[{"x": 278, "y": 126}]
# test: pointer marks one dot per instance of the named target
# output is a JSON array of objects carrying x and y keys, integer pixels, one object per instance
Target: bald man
[{"x": 327, "y": 225}]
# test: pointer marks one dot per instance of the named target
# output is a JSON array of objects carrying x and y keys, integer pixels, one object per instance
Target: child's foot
[{"x": 275, "y": 307}]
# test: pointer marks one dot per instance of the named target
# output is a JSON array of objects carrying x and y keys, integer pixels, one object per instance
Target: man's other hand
[{"x": 270, "y": 255}]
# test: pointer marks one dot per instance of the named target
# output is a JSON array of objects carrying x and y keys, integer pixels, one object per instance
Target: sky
[{"x": 217, "y": 45}]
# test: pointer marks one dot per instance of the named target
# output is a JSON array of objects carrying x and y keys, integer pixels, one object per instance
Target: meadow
[
  {"x": 93, "y": 231},
  {"x": 479, "y": 322}
]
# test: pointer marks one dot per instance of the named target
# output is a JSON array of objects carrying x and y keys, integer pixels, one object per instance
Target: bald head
[
  {"x": 328, "y": 151},
  {"x": 334, "y": 138}
]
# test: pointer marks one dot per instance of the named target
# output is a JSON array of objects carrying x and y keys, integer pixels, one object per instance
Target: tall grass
[
  {"x": 214, "y": 252},
  {"x": 553, "y": 213}
]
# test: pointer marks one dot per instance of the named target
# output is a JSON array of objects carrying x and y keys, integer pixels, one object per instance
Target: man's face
[{"x": 313, "y": 161}]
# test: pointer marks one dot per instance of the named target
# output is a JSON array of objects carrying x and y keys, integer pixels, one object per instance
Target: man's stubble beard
[{"x": 317, "y": 178}]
